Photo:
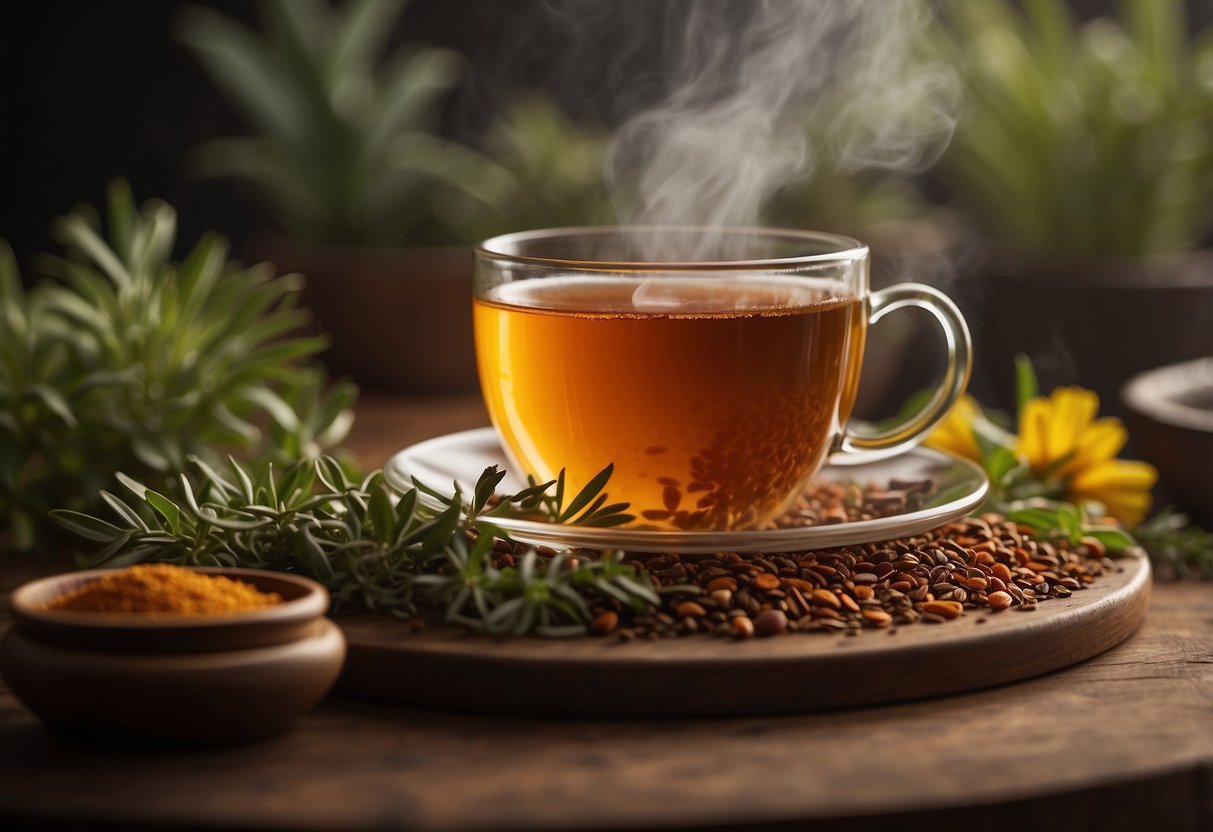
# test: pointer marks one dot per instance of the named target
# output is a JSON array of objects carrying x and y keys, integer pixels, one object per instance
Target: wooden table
[{"x": 1122, "y": 741}]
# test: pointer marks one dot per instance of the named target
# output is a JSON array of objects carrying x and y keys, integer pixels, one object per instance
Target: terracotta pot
[
  {"x": 400, "y": 319},
  {"x": 1091, "y": 323},
  {"x": 1171, "y": 419}
]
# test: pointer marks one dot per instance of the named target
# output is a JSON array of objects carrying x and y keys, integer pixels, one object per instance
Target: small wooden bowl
[
  {"x": 1171, "y": 422},
  {"x": 215, "y": 679}
]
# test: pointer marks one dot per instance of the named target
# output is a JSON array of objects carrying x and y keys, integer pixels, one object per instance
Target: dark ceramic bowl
[
  {"x": 215, "y": 679},
  {"x": 1170, "y": 414}
]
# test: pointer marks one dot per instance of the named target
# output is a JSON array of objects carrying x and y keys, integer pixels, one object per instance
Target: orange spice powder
[{"x": 164, "y": 589}]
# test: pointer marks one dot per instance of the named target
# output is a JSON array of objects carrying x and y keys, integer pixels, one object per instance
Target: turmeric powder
[{"x": 164, "y": 589}]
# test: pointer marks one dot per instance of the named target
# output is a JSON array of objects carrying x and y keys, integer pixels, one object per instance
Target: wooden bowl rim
[{"x": 27, "y": 601}]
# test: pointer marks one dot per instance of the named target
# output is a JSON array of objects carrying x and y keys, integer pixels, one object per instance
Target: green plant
[
  {"x": 1178, "y": 547},
  {"x": 125, "y": 360},
  {"x": 537, "y": 168},
  {"x": 375, "y": 549},
  {"x": 1087, "y": 140},
  {"x": 344, "y": 149}
]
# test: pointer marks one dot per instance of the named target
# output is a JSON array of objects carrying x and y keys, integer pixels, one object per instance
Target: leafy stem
[
  {"x": 376, "y": 549},
  {"x": 588, "y": 508},
  {"x": 1177, "y": 545},
  {"x": 1060, "y": 520}
]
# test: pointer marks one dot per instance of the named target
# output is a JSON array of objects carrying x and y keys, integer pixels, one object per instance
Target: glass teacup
[{"x": 716, "y": 389}]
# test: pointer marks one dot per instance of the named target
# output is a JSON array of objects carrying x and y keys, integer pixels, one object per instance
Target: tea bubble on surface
[
  {"x": 690, "y": 293},
  {"x": 727, "y": 292}
]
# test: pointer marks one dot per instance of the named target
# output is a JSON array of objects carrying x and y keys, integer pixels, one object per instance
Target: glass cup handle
[{"x": 857, "y": 448}]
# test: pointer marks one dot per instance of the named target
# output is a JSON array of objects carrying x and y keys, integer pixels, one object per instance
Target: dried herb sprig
[
  {"x": 1177, "y": 546},
  {"x": 375, "y": 549}
]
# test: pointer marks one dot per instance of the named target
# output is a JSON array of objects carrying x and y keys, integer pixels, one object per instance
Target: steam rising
[{"x": 756, "y": 94}]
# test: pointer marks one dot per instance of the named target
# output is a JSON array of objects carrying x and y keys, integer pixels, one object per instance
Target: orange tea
[{"x": 716, "y": 399}]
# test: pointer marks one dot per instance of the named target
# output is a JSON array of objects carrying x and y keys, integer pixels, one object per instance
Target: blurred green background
[
  {"x": 1082, "y": 158},
  {"x": 90, "y": 90}
]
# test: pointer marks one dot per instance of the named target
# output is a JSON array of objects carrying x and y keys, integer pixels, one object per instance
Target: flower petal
[
  {"x": 1099, "y": 443},
  {"x": 1033, "y": 424},
  {"x": 1073, "y": 411},
  {"x": 1117, "y": 473},
  {"x": 1128, "y": 507},
  {"x": 1123, "y": 486},
  {"x": 955, "y": 433}
]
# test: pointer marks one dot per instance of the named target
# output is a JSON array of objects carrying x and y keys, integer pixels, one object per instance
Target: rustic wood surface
[{"x": 1121, "y": 741}]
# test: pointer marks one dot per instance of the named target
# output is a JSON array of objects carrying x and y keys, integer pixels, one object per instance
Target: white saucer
[{"x": 461, "y": 457}]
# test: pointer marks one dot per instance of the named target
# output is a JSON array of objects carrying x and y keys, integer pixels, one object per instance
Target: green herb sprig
[
  {"x": 588, "y": 508},
  {"x": 375, "y": 549}
]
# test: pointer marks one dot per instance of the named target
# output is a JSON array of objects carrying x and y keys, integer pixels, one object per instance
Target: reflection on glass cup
[{"x": 716, "y": 388}]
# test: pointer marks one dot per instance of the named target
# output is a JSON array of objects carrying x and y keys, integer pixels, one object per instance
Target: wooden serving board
[{"x": 704, "y": 676}]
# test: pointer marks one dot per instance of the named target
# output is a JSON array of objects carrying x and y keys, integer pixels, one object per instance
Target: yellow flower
[
  {"x": 955, "y": 433},
  {"x": 1060, "y": 438}
]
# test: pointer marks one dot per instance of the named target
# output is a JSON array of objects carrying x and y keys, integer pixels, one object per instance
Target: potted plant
[
  {"x": 375, "y": 208},
  {"x": 1084, "y": 159}
]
